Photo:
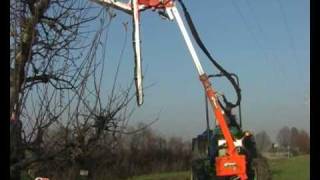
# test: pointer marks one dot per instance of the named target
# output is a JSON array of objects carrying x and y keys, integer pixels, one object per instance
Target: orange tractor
[{"x": 232, "y": 164}]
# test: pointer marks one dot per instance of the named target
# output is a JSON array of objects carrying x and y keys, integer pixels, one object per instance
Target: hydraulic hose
[{"x": 213, "y": 61}]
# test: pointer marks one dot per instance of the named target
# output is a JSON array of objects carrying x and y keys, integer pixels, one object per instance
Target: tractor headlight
[{"x": 237, "y": 142}]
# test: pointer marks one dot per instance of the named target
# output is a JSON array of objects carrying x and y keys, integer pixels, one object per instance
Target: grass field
[
  {"x": 165, "y": 176},
  {"x": 296, "y": 168}
]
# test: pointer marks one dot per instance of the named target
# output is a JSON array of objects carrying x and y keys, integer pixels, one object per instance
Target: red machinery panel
[
  {"x": 231, "y": 165},
  {"x": 156, "y": 3}
]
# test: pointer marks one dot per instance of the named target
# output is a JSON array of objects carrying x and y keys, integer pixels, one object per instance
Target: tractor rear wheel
[
  {"x": 193, "y": 175},
  {"x": 261, "y": 169}
]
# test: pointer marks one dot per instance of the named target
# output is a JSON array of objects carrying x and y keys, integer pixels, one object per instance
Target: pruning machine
[
  {"x": 229, "y": 150},
  {"x": 211, "y": 145}
]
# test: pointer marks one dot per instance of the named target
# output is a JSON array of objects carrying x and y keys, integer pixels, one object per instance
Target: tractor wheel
[
  {"x": 261, "y": 169},
  {"x": 193, "y": 176},
  {"x": 198, "y": 170}
]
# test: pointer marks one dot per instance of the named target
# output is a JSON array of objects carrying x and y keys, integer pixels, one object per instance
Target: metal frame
[{"x": 238, "y": 83}]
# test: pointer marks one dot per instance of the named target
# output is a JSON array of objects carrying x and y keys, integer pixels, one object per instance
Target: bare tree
[
  {"x": 283, "y": 137},
  {"x": 45, "y": 65},
  {"x": 263, "y": 141},
  {"x": 294, "y": 135},
  {"x": 59, "y": 110},
  {"x": 303, "y": 142}
]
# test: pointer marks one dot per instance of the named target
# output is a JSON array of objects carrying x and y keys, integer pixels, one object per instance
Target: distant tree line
[
  {"x": 117, "y": 157},
  {"x": 298, "y": 141},
  {"x": 292, "y": 139}
]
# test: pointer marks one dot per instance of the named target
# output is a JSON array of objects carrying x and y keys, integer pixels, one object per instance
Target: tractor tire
[
  {"x": 261, "y": 169},
  {"x": 193, "y": 176},
  {"x": 198, "y": 171}
]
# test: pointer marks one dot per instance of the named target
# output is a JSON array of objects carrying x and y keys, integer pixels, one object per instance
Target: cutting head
[
  {"x": 137, "y": 51},
  {"x": 137, "y": 6}
]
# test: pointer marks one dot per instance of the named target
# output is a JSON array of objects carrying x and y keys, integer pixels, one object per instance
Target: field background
[{"x": 295, "y": 168}]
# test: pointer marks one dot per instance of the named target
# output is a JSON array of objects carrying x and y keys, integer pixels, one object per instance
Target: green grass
[
  {"x": 296, "y": 168},
  {"x": 165, "y": 176}
]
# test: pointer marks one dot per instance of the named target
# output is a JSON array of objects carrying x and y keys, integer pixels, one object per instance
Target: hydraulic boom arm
[
  {"x": 232, "y": 164},
  {"x": 233, "y": 157}
]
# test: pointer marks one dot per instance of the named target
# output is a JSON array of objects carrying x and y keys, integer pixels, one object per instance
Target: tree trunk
[
  {"x": 16, "y": 150},
  {"x": 17, "y": 77}
]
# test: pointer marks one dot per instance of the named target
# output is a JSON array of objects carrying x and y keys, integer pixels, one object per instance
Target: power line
[
  {"x": 276, "y": 63},
  {"x": 289, "y": 32},
  {"x": 257, "y": 22},
  {"x": 284, "y": 17},
  {"x": 235, "y": 5}
]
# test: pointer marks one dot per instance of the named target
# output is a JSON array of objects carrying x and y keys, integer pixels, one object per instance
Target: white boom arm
[
  {"x": 137, "y": 52},
  {"x": 173, "y": 12}
]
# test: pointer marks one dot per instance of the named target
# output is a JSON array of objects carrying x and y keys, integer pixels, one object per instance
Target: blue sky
[{"x": 265, "y": 42}]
